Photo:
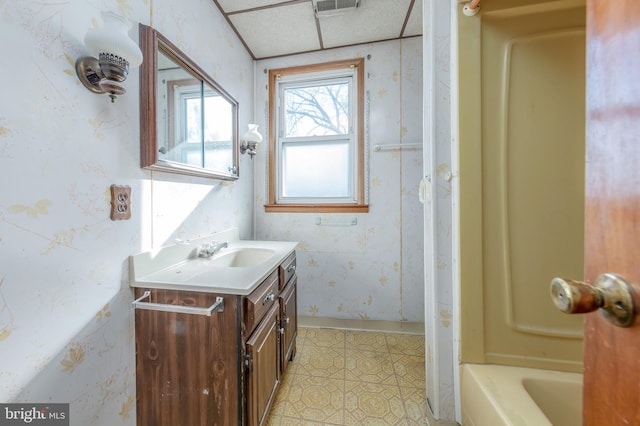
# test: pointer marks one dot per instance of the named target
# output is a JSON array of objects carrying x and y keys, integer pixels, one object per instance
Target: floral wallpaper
[
  {"x": 373, "y": 269},
  {"x": 66, "y": 323}
]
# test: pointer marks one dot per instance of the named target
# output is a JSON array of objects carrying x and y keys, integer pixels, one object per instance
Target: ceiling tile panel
[
  {"x": 284, "y": 27},
  {"x": 373, "y": 20},
  {"x": 278, "y": 31}
]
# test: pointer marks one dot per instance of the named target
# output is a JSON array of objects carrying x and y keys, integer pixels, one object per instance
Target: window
[
  {"x": 195, "y": 111},
  {"x": 316, "y": 151}
]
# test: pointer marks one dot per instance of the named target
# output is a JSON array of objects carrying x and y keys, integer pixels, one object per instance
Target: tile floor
[{"x": 343, "y": 377}]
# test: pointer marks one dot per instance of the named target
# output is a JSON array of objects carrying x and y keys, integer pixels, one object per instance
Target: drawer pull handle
[
  {"x": 218, "y": 306},
  {"x": 291, "y": 268},
  {"x": 270, "y": 297}
]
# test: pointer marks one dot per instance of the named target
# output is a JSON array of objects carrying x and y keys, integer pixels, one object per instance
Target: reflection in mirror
[
  {"x": 195, "y": 121},
  {"x": 218, "y": 134}
]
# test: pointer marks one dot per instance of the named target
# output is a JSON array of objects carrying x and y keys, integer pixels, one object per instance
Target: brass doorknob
[{"x": 610, "y": 293}]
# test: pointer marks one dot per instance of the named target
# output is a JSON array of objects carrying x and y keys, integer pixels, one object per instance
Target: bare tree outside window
[{"x": 321, "y": 110}]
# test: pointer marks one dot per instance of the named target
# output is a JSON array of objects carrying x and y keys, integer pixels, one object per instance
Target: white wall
[
  {"x": 371, "y": 271},
  {"x": 66, "y": 326},
  {"x": 441, "y": 234}
]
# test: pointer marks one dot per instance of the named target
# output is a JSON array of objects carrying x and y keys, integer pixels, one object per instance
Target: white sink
[
  {"x": 237, "y": 269},
  {"x": 241, "y": 257}
]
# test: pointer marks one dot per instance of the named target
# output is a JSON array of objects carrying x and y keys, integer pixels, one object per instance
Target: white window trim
[{"x": 344, "y": 75}]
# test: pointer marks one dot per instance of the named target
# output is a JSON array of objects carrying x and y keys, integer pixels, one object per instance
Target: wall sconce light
[
  {"x": 250, "y": 140},
  {"x": 115, "y": 53}
]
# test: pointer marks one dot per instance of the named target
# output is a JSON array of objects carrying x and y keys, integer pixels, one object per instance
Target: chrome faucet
[{"x": 209, "y": 249}]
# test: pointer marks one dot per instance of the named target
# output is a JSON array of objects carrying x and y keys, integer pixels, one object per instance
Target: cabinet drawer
[
  {"x": 287, "y": 269},
  {"x": 258, "y": 303},
  {"x": 289, "y": 321}
]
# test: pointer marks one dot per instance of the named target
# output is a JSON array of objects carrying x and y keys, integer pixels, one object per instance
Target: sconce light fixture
[
  {"x": 113, "y": 54},
  {"x": 250, "y": 140}
]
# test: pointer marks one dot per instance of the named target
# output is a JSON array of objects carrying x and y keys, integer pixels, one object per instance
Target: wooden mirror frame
[{"x": 151, "y": 42}]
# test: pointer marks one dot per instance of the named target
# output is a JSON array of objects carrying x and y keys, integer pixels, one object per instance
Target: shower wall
[{"x": 522, "y": 191}]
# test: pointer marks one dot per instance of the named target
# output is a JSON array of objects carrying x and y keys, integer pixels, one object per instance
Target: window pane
[
  {"x": 218, "y": 116},
  {"x": 218, "y": 133},
  {"x": 317, "y": 110},
  {"x": 193, "y": 112},
  {"x": 191, "y": 149},
  {"x": 316, "y": 170}
]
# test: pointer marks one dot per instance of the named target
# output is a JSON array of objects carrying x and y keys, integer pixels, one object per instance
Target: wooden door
[{"x": 612, "y": 222}]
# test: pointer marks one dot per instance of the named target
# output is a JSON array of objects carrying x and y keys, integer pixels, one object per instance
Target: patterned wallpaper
[
  {"x": 66, "y": 324},
  {"x": 373, "y": 270}
]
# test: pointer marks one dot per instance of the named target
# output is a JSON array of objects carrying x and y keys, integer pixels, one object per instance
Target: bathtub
[{"x": 494, "y": 395}]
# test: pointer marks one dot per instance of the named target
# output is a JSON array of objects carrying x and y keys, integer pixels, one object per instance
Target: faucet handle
[{"x": 204, "y": 250}]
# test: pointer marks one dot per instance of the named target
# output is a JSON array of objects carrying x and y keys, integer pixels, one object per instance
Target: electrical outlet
[{"x": 120, "y": 202}]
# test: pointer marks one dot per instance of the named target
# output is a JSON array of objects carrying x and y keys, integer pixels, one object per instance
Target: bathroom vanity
[{"x": 213, "y": 354}]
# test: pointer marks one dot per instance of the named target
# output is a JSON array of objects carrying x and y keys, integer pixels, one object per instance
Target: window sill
[{"x": 316, "y": 208}]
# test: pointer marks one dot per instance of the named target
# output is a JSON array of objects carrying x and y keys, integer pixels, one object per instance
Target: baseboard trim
[{"x": 362, "y": 325}]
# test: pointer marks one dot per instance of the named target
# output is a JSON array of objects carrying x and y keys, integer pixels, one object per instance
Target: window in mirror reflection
[
  {"x": 185, "y": 121},
  {"x": 198, "y": 121},
  {"x": 194, "y": 112},
  {"x": 218, "y": 152}
]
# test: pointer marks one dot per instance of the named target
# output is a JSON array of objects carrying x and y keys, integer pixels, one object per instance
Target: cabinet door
[
  {"x": 264, "y": 366},
  {"x": 187, "y": 366},
  {"x": 289, "y": 321}
]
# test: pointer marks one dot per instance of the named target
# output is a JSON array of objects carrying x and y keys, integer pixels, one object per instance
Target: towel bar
[{"x": 218, "y": 306}]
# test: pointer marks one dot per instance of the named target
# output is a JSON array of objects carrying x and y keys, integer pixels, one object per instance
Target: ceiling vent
[{"x": 333, "y": 7}]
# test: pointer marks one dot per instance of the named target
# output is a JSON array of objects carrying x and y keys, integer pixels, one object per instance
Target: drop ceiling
[{"x": 270, "y": 28}]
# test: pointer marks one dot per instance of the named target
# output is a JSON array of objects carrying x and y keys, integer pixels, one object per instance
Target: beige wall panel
[
  {"x": 532, "y": 173},
  {"x": 542, "y": 176}
]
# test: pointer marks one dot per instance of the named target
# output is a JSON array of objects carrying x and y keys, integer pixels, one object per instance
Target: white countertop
[{"x": 178, "y": 267}]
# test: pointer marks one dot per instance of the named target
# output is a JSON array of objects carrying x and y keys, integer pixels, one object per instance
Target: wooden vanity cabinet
[{"x": 223, "y": 369}]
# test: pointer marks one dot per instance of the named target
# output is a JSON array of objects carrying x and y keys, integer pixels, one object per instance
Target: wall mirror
[{"x": 188, "y": 123}]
